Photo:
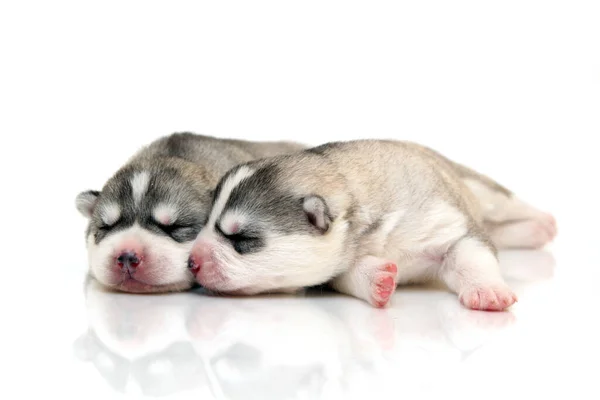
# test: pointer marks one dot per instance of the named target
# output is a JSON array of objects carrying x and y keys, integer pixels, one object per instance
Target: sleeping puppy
[
  {"x": 144, "y": 221},
  {"x": 365, "y": 216}
]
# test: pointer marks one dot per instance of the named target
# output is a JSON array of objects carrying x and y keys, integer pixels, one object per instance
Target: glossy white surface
[{"x": 316, "y": 345}]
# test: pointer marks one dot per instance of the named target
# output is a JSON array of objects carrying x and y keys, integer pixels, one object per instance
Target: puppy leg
[
  {"x": 372, "y": 279},
  {"x": 499, "y": 208},
  {"x": 471, "y": 270},
  {"x": 529, "y": 234}
]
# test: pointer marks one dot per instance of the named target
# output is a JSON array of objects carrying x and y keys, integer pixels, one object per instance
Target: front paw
[{"x": 383, "y": 284}]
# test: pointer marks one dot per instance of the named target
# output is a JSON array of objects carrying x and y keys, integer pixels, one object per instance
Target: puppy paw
[
  {"x": 550, "y": 226},
  {"x": 383, "y": 284},
  {"x": 541, "y": 231},
  {"x": 534, "y": 233},
  {"x": 492, "y": 298}
]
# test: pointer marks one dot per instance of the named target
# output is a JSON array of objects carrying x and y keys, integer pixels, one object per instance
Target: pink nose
[
  {"x": 194, "y": 264},
  {"x": 199, "y": 256},
  {"x": 128, "y": 261}
]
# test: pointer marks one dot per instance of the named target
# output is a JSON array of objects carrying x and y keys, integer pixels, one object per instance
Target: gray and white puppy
[
  {"x": 144, "y": 221},
  {"x": 364, "y": 215}
]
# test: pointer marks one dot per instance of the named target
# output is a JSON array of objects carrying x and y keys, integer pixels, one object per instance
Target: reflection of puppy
[
  {"x": 171, "y": 370},
  {"x": 350, "y": 212},
  {"x": 135, "y": 325},
  {"x": 276, "y": 347},
  {"x": 140, "y": 340},
  {"x": 165, "y": 344},
  {"x": 263, "y": 349},
  {"x": 332, "y": 345},
  {"x": 143, "y": 222},
  {"x": 243, "y": 374}
]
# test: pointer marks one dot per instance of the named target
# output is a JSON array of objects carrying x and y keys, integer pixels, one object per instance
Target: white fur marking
[
  {"x": 110, "y": 213},
  {"x": 232, "y": 181},
  {"x": 232, "y": 222},
  {"x": 139, "y": 186},
  {"x": 165, "y": 214}
]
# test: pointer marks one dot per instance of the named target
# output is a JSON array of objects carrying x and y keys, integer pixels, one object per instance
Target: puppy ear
[
  {"x": 317, "y": 212},
  {"x": 86, "y": 202}
]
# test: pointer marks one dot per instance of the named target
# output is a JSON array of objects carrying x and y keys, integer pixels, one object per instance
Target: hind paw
[
  {"x": 531, "y": 233},
  {"x": 495, "y": 298}
]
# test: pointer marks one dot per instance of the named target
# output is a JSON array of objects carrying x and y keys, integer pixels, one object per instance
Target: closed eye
[
  {"x": 180, "y": 232},
  {"x": 236, "y": 237},
  {"x": 169, "y": 229},
  {"x": 241, "y": 242},
  {"x": 107, "y": 227}
]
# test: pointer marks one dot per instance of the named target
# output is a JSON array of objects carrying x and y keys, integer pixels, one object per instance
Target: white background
[{"x": 510, "y": 88}]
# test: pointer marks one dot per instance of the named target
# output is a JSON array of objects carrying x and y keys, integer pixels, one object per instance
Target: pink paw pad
[
  {"x": 384, "y": 284},
  {"x": 488, "y": 299}
]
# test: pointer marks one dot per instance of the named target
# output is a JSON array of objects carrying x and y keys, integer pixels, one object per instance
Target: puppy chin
[
  {"x": 134, "y": 286},
  {"x": 129, "y": 284},
  {"x": 214, "y": 281},
  {"x": 237, "y": 292},
  {"x": 222, "y": 285}
]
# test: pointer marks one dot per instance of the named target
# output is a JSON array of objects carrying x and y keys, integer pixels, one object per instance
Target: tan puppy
[{"x": 365, "y": 215}]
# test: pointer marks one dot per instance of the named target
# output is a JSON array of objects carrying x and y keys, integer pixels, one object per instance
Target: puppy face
[
  {"x": 142, "y": 226},
  {"x": 264, "y": 235}
]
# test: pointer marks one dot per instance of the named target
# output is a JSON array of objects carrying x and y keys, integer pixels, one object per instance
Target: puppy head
[
  {"x": 269, "y": 230},
  {"x": 142, "y": 226}
]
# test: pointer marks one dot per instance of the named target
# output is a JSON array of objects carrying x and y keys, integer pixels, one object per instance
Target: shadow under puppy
[
  {"x": 365, "y": 216},
  {"x": 143, "y": 223}
]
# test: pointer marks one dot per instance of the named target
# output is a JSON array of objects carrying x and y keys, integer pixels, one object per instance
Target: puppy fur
[
  {"x": 364, "y": 216},
  {"x": 144, "y": 220}
]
